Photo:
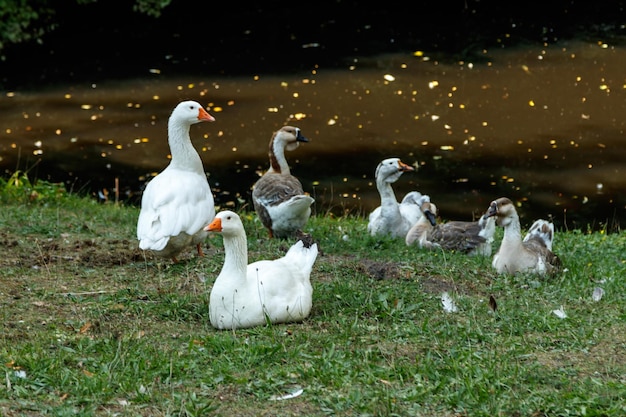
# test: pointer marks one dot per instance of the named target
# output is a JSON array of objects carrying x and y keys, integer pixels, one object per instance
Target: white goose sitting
[
  {"x": 274, "y": 291},
  {"x": 393, "y": 218},
  {"x": 515, "y": 255},
  {"x": 178, "y": 202},
  {"x": 471, "y": 238},
  {"x": 278, "y": 197}
]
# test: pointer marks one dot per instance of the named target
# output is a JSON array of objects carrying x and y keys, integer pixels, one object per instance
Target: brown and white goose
[
  {"x": 541, "y": 229},
  {"x": 178, "y": 202},
  {"x": 393, "y": 218},
  {"x": 471, "y": 238},
  {"x": 278, "y": 197},
  {"x": 247, "y": 295},
  {"x": 517, "y": 256}
]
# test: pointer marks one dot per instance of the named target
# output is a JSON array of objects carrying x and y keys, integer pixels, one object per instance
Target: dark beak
[
  {"x": 493, "y": 209},
  {"x": 300, "y": 137},
  {"x": 431, "y": 217}
]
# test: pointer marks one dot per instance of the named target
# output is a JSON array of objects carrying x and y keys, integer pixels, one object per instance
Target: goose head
[
  {"x": 288, "y": 138},
  {"x": 503, "y": 210},
  {"x": 190, "y": 112},
  {"x": 227, "y": 223},
  {"x": 390, "y": 169},
  {"x": 430, "y": 211}
]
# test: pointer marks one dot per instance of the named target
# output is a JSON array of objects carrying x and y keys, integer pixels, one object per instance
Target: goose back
[{"x": 471, "y": 238}]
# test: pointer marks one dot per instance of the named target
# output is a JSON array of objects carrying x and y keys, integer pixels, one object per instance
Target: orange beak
[
  {"x": 203, "y": 115},
  {"x": 214, "y": 226},
  {"x": 404, "y": 167}
]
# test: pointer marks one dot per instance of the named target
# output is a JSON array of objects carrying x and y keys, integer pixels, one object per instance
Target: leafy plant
[
  {"x": 19, "y": 188},
  {"x": 30, "y": 20}
]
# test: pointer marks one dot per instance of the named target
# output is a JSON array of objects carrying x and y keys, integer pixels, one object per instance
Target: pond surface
[{"x": 543, "y": 126}]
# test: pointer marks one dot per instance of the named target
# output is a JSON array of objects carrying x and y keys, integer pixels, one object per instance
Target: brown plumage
[
  {"x": 471, "y": 238},
  {"x": 278, "y": 197},
  {"x": 515, "y": 255}
]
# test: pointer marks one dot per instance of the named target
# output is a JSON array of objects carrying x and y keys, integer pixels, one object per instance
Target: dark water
[{"x": 543, "y": 125}]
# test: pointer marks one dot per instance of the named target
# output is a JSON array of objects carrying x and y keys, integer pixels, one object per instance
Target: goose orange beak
[
  {"x": 404, "y": 167},
  {"x": 214, "y": 226},
  {"x": 203, "y": 115}
]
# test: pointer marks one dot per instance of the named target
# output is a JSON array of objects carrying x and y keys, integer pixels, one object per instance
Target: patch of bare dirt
[
  {"x": 379, "y": 270},
  {"x": 34, "y": 251},
  {"x": 437, "y": 285}
]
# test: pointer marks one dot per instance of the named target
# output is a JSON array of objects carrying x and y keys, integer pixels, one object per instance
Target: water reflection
[{"x": 541, "y": 125}]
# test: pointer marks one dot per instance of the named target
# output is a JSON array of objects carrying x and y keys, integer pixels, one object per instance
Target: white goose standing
[
  {"x": 393, "y": 218},
  {"x": 515, "y": 255},
  {"x": 178, "y": 202},
  {"x": 470, "y": 238},
  {"x": 278, "y": 197},
  {"x": 274, "y": 291}
]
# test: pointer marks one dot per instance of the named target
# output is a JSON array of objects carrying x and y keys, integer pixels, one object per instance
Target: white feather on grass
[
  {"x": 295, "y": 393},
  {"x": 598, "y": 293},
  {"x": 448, "y": 303},
  {"x": 560, "y": 313}
]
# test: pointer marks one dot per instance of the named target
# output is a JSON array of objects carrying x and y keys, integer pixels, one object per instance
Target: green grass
[{"x": 92, "y": 327}]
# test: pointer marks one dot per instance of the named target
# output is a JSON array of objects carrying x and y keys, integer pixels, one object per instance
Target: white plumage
[
  {"x": 177, "y": 203},
  {"x": 393, "y": 218},
  {"x": 266, "y": 291}
]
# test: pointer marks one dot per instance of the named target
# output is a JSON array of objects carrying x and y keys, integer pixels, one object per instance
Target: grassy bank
[{"x": 92, "y": 326}]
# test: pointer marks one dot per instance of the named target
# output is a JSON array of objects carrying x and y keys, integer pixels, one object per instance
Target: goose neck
[
  {"x": 278, "y": 162},
  {"x": 513, "y": 230},
  {"x": 235, "y": 256},
  {"x": 387, "y": 195},
  {"x": 184, "y": 155}
]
